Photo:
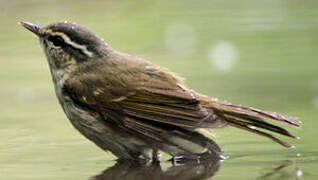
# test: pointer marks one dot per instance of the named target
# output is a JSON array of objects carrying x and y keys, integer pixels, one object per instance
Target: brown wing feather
[
  {"x": 150, "y": 95},
  {"x": 183, "y": 111}
]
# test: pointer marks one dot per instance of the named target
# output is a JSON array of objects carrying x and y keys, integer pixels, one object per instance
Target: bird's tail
[{"x": 254, "y": 120}]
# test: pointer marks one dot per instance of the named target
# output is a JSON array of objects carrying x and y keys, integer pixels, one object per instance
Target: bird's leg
[{"x": 155, "y": 156}]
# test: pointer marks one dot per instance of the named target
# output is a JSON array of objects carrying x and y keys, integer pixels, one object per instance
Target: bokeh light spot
[
  {"x": 26, "y": 94},
  {"x": 223, "y": 55},
  {"x": 315, "y": 102}
]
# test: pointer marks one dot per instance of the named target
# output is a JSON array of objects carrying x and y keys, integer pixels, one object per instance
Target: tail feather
[
  {"x": 264, "y": 125},
  {"x": 252, "y": 120},
  {"x": 262, "y": 133}
]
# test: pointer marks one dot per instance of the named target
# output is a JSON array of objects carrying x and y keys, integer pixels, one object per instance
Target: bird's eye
[{"x": 56, "y": 40}]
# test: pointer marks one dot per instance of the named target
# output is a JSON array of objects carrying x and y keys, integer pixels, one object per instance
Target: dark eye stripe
[
  {"x": 75, "y": 52},
  {"x": 58, "y": 41}
]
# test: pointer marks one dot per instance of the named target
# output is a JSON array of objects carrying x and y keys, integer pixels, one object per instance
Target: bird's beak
[{"x": 31, "y": 27}]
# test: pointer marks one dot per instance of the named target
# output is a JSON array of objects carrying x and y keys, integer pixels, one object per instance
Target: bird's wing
[
  {"x": 147, "y": 96},
  {"x": 176, "y": 107}
]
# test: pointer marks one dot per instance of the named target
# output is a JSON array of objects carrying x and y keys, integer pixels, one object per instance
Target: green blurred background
[{"x": 258, "y": 53}]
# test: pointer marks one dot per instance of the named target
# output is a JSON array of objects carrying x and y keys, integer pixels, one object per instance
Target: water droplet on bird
[
  {"x": 252, "y": 127},
  {"x": 222, "y": 157}
]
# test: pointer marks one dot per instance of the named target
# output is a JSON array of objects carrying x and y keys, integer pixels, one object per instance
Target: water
[{"x": 262, "y": 54}]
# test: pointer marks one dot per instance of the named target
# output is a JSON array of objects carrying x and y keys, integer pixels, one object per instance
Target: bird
[{"x": 136, "y": 109}]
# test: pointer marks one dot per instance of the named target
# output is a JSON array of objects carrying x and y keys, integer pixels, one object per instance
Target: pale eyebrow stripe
[{"x": 67, "y": 40}]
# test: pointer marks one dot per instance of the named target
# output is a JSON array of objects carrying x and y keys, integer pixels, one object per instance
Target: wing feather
[{"x": 157, "y": 99}]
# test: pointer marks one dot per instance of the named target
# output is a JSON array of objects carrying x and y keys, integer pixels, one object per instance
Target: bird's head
[{"x": 68, "y": 44}]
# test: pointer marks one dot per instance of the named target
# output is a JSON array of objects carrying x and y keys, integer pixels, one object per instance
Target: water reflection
[
  {"x": 127, "y": 170},
  {"x": 285, "y": 170}
]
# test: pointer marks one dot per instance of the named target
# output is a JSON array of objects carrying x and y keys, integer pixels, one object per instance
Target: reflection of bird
[
  {"x": 132, "y": 107},
  {"x": 129, "y": 170},
  {"x": 281, "y": 171}
]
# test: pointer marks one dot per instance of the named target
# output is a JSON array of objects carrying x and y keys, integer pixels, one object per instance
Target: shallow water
[{"x": 262, "y": 54}]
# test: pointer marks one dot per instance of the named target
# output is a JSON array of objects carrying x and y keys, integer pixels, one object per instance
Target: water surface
[{"x": 262, "y": 54}]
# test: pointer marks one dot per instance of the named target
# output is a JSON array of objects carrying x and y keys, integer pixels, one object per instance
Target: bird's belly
[
  {"x": 84, "y": 121},
  {"x": 88, "y": 123}
]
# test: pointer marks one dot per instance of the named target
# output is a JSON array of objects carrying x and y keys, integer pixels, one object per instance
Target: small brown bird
[{"x": 134, "y": 108}]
